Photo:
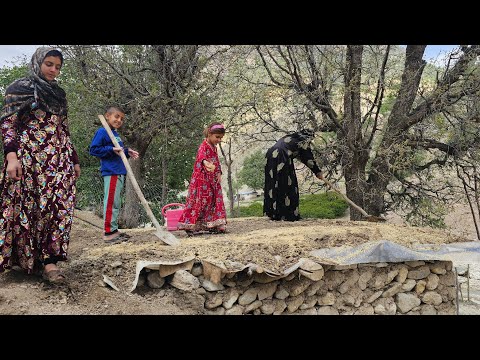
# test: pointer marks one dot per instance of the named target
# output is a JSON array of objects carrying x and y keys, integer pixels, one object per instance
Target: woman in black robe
[{"x": 281, "y": 197}]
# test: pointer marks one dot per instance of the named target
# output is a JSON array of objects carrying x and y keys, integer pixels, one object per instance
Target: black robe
[{"x": 281, "y": 197}]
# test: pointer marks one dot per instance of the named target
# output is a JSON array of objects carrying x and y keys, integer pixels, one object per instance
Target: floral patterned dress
[
  {"x": 37, "y": 210},
  {"x": 281, "y": 197},
  {"x": 204, "y": 209}
]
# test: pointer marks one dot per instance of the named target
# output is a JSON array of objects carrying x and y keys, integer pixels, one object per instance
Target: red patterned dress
[{"x": 204, "y": 209}]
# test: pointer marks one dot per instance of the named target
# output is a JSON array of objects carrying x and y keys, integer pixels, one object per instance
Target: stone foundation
[{"x": 408, "y": 288}]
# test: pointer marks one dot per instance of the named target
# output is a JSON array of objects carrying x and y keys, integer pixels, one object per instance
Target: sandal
[{"x": 54, "y": 276}]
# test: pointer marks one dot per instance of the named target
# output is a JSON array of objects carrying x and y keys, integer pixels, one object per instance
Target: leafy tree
[
  {"x": 253, "y": 171},
  {"x": 7, "y": 76},
  {"x": 159, "y": 87},
  {"x": 383, "y": 111}
]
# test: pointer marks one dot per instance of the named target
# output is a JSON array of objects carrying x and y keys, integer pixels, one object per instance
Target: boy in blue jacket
[{"x": 113, "y": 171}]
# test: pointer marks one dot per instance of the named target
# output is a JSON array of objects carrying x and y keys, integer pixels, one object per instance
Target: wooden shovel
[
  {"x": 370, "y": 218},
  {"x": 163, "y": 235}
]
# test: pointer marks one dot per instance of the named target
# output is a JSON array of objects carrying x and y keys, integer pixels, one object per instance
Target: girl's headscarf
[{"x": 34, "y": 91}]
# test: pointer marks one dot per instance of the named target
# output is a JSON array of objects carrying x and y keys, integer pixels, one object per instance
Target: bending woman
[{"x": 281, "y": 197}]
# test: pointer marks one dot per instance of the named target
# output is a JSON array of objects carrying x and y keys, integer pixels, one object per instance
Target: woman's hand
[
  {"x": 14, "y": 167},
  {"x": 77, "y": 170},
  {"x": 219, "y": 177}
]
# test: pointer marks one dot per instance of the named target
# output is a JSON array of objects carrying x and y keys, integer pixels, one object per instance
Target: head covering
[
  {"x": 306, "y": 134},
  {"x": 34, "y": 91},
  {"x": 218, "y": 126}
]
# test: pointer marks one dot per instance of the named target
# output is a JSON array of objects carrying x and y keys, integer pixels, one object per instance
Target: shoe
[
  {"x": 54, "y": 276},
  {"x": 118, "y": 239}
]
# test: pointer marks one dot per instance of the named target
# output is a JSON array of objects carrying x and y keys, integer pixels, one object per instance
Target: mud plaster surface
[{"x": 272, "y": 245}]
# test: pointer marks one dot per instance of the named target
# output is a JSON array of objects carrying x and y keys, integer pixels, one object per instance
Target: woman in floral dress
[{"x": 37, "y": 184}]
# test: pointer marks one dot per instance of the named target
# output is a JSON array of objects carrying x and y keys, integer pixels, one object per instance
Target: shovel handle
[{"x": 364, "y": 213}]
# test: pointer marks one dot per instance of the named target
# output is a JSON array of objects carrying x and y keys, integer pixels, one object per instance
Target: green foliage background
[
  {"x": 252, "y": 173},
  {"x": 329, "y": 205}
]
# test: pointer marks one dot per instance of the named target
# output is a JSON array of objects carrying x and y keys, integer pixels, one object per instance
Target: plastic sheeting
[{"x": 387, "y": 251}]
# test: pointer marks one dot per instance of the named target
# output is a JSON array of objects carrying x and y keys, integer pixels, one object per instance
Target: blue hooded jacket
[{"x": 102, "y": 147}]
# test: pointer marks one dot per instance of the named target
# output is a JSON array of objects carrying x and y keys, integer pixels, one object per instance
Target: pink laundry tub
[{"x": 172, "y": 215}]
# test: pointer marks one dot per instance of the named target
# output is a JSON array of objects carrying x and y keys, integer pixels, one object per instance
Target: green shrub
[
  {"x": 328, "y": 205},
  {"x": 254, "y": 209}
]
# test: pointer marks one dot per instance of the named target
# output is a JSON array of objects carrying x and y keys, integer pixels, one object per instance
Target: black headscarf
[
  {"x": 34, "y": 91},
  {"x": 306, "y": 134}
]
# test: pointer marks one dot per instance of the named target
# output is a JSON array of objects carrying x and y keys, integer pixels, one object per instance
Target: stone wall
[{"x": 412, "y": 288}]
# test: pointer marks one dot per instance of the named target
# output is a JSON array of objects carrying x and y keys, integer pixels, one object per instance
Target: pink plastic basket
[{"x": 172, "y": 216}]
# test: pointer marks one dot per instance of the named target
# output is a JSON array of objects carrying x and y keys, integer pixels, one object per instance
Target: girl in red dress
[{"x": 204, "y": 209}]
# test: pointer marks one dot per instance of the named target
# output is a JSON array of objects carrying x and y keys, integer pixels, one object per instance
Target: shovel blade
[{"x": 167, "y": 238}]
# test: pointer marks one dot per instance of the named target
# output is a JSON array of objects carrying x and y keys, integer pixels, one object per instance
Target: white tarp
[{"x": 387, "y": 251}]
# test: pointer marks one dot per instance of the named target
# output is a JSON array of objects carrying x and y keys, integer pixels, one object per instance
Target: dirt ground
[{"x": 272, "y": 245}]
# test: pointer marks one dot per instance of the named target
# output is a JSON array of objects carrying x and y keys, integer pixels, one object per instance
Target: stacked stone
[{"x": 411, "y": 288}]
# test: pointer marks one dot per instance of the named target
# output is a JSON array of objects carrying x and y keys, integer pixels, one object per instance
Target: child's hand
[
  {"x": 219, "y": 177},
  {"x": 118, "y": 150},
  {"x": 209, "y": 166},
  {"x": 133, "y": 154}
]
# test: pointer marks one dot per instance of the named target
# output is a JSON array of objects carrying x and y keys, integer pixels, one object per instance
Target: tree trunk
[
  {"x": 228, "y": 162},
  {"x": 391, "y": 146},
  {"x": 230, "y": 189},
  {"x": 130, "y": 214},
  {"x": 164, "y": 181},
  {"x": 354, "y": 162},
  {"x": 164, "y": 170}
]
